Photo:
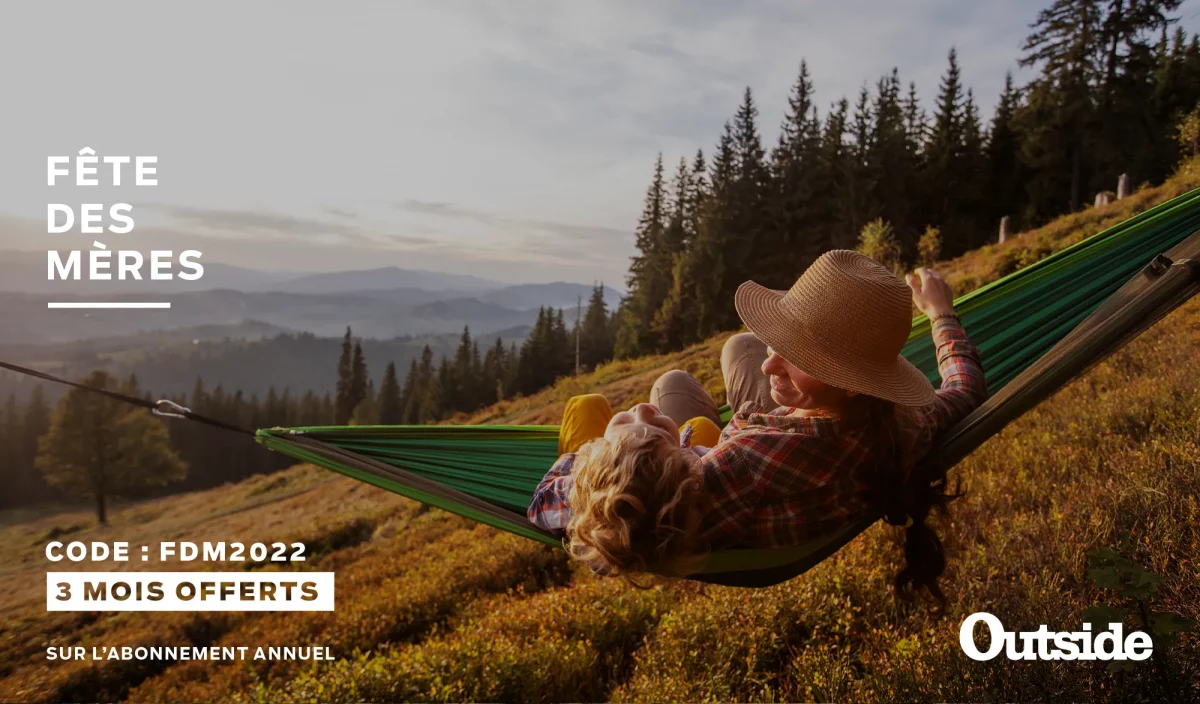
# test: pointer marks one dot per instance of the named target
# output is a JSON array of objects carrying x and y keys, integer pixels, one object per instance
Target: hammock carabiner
[{"x": 176, "y": 411}]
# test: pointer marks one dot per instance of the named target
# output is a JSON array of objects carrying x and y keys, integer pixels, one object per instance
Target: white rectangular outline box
[{"x": 170, "y": 581}]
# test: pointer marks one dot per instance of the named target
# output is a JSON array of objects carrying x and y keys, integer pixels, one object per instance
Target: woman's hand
[{"x": 930, "y": 292}]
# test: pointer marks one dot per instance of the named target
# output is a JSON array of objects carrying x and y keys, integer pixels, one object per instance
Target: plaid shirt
[{"x": 776, "y": 479}]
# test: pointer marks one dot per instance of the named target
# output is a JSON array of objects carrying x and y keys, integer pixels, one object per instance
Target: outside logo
[{"x": 1044, "y": 644}]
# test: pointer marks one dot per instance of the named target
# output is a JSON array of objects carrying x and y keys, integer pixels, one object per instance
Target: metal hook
[
  {"x": 1157, "y": 266},
  {"x": 175, "y": 410}
]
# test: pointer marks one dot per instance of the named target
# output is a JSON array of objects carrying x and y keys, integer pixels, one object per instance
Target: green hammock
[{"x": 1036, "y": 329}]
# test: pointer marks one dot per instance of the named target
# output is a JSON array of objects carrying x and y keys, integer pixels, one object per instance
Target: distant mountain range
[
  {"x": 24, "y": 318},
  {"x": 251, "y": 330},
  {"x": 379, "y": 303},
  {"x": 26, "y": 272}
]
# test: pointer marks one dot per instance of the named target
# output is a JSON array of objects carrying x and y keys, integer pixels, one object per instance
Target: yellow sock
[
  {"x": 704, "y": 432},
  {"x": 585, "y": 418}
]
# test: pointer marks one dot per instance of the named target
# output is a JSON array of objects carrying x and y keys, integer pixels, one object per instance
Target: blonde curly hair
[{"x": 638, "y": 505}]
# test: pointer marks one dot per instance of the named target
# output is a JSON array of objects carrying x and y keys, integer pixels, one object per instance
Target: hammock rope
[{"x": 1037, "y": 329}]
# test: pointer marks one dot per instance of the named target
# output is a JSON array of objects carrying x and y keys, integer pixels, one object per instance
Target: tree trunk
[
  {"x": 101, "y": 512},
  {"x": 1076, "y": 178},
  {"x": 1110, "y": 61}
]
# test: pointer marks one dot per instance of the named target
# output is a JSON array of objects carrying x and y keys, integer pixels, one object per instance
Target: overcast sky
[{"x": 507, "y": 140}]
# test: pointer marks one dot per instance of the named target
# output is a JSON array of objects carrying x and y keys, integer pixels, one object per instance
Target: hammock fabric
[{"x": 1036, "y": 329}]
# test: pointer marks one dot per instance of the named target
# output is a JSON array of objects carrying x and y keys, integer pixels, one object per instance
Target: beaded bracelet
[{"x": 939, "y": 316}]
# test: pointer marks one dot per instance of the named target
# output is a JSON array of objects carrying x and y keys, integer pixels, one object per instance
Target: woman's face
[
  {"x": 793, "y": 388},
  {"x": 642, "y": 420}
]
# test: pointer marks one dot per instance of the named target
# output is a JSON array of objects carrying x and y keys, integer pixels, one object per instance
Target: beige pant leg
[
  {"x": 741, "y": 364},
  {"x": 681, "y": 397}
]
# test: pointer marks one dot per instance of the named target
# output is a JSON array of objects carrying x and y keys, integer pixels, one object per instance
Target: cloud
[
  {"x": 596, "y": 233},
  {"x": 249, "y": 221},
  {"x": 253, "y": 225},
  {"x": 454, "y": 136},
  {"x": 518, "y": 259},
  {"x": 658, "y": 47},
  {"x": 344, "y": 214}
]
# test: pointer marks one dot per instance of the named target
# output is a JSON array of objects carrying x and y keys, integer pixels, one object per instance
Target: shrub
[
  {"x": 561, "y": 645},
  {"x": 929, "y": 247},
  {"x": 878, "y": 241},
  {"x": 1188, "y": 133}
]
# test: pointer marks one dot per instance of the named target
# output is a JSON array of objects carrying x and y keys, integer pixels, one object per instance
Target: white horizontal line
[{"x": 121, "y": 304}]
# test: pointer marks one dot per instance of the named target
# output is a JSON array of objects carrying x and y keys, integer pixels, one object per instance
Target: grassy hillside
[{"x": 433, "y": 607}]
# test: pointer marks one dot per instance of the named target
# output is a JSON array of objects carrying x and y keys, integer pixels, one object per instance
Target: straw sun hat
[{"x": 843, "y": 323}]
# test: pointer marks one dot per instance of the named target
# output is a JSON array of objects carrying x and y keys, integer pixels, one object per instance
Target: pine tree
[
  {"x": 531, "y": 372},
  {"x": 367, "y": 410},
  {"x": 414, "y": 405},
  {"x": 839, "y": 162},
  {"x": 1064, "y": 44},
  {"x": 595, "y": 341},
  {"x": 679, "y": 238},
  {"x": 462, "y": 387},
  {"x": 697, "y": 196},
  {"x": 391, "y": 410},
  {"x": 854, "y": 202},
  {"x": 713, "y": 240},
  {"x": 676, "y": 237},
  {"x": 1129, "y": 137},
  {"x": 345, "y": 382},
  {"x": 479, "y": 390},
  {"x": 799, "y": 176},
  {"x": 512, "y": 369},
  {"x": 749, "y": 242},
  {"x": 649, "y": 271},
  {"x": 562, "y": 352},
  {"x": 1004, "y": 172},
  {"x": 677, "y": 321},
  {"x": 972, "y": 169},
  {"x": 915, "y": 120},
  {"x": 407, "y": 394},
  {"x": 495, "y": 364},
  {"x": 891, "y": 163},
  {"x": 943, "y": 157},
  {"x": 359, "y": 379},
  {"x": 433, "y": 405}
]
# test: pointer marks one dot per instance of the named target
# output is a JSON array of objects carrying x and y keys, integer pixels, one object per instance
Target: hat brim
[{"x": 897, "y": 381}]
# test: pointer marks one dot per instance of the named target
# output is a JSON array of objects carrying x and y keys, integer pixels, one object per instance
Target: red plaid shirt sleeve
[
  {"x": 963, "y": 385},
  {"x": 550, "y": 509}
]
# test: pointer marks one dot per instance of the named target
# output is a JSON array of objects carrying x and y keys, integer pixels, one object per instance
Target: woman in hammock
[{"x": 830, "y": 420}]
